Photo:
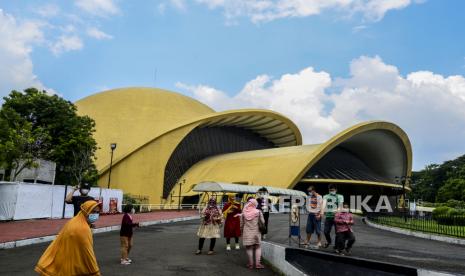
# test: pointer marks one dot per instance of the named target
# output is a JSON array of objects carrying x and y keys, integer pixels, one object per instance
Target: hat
[{"x": 84, "y": 186}]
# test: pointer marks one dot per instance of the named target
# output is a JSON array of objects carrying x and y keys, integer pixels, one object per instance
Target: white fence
[{"x": 30, "y": 201}]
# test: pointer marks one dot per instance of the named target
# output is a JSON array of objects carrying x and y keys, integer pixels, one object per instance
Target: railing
[
  {"x": 144, "y": 208},
  {"x": 449, "y": 225}
]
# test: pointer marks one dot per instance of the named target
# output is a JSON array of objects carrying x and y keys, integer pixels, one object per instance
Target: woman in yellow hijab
[{"x": 72, "y": 252}]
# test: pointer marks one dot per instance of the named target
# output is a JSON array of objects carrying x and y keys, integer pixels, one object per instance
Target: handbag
[{"x": 261, "y": 226}]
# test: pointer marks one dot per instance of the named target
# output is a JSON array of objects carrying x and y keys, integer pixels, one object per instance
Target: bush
[
  {"x": 457, "y": 204},
  {"x": 449, "y": 216}
]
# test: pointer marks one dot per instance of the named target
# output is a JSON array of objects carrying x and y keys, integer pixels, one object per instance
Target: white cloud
[
  {"x": 66, "y": 43},
  {"x": 98, "y": 34},
  {"x": 268, "y": 10},
  {"x": 178, "y": 4},
  {"x": 102, "y": 8},
  {"x": 48, "y": 10},
  {"x": 17, "y": 40},
  {"x": 428, "y": 106}
]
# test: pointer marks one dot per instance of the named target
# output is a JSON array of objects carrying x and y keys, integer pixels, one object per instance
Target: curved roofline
[
  {"x": 355, "y": 182},
  {"x": 353, "y": 131},
  {"x": 218, "y": 117},
  {"x": 100, "y": 93}
]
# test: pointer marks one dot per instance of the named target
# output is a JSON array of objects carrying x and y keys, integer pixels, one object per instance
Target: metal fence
[{"x": 449, "y": 225}]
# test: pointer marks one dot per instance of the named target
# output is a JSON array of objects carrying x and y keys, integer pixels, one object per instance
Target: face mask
[
  {"x": 332, "y": 193},
  {"x": 92, "y": 218},
  {"x": 133, "y": 211},
  {"x": 84, "y": 191}
]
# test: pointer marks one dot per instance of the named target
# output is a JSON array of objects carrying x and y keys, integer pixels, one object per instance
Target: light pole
[
  {"x": 179, "y": 197},
  {"x": 113, "y": 147},
  {"x": 403, "y": 180}
]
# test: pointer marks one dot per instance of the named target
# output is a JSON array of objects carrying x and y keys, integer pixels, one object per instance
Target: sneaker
[
  {"x": 129, "y": 260},
  {"x": 228, "y": 247},
  {"x": 124, "y": 262},
  {"x": 198, "y": 252},
  {"x": 348, "y": 251},
  {"x": 326, "y": 245},
  {"x": 211, "y": 252},
  {"x": 238, "y": 247},
  {"x": 318, "y": 245}
]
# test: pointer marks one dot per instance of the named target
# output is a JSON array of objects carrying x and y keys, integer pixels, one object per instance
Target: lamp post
[
  {"x": 403, "y": 180},
  {"x": 113, "y": 147},
  {"x": 179, "y": 197}
]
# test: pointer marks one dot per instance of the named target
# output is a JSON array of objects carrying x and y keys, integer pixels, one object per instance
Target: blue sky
[{"x": 407, "y": 56}]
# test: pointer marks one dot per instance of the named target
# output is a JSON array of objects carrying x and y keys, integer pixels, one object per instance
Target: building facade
[{"x": 165, "y": 139}]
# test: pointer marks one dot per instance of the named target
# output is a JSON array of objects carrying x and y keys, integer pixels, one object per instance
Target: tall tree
[{"x": 53, "y": 121}]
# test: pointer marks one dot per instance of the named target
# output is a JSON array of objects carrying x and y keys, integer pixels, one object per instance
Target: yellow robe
[{"x": 72, "y": 252}]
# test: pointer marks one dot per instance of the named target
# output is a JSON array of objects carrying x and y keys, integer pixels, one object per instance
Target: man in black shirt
[{"x": 84, "y": 189}]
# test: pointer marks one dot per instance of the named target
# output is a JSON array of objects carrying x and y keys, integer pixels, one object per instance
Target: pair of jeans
[
  {"x": 329, "y": 224},
  {"x": 342, "y": 238},
  {"x": 212, "y": 243}
]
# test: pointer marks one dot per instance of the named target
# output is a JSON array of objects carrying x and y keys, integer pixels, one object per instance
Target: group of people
[
  {"x": 72, "y": 252},
  {"x": 336, "y": 214},
  {"x": 248, "y": 223}
]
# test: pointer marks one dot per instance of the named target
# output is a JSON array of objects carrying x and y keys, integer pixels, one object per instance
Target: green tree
[
  {"x": 454, "y": 188},
  {"x": 65, "y": 137}
]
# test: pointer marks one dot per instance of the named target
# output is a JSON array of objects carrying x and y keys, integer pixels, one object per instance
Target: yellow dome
[{"x": 132, "y": 116}]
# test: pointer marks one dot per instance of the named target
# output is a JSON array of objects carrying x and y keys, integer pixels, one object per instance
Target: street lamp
[
  {"x": 113, "y": 147},
  {"x": 403, "y": 180},
  {"x": 179, "y": 197}
]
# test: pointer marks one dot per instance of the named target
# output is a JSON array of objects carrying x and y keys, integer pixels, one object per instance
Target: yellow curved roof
[
  {"x": 132, "y": 116},
  {"x": 285, "y": 167}
]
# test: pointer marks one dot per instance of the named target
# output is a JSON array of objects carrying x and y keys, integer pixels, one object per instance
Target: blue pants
[{"x": 313, "y": 224}]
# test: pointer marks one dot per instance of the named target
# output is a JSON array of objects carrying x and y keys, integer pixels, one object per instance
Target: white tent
[
  {"x": 30, "y": 201},
  {"x": 221, "y": 187}
]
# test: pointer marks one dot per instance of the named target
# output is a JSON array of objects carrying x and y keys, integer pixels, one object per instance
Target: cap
[{"x": 84, "y": 186}]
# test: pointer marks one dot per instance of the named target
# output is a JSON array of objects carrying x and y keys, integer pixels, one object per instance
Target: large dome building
[{"x": 164, "y": 138}]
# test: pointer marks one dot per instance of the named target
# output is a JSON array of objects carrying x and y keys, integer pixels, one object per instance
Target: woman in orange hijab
[{"x": 72, "y": 252}]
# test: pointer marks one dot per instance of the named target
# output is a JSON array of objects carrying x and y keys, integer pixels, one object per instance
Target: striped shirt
[{"x": 314, "y": 203}]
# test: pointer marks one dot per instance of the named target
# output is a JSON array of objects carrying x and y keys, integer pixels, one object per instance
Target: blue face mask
[{"x": 92, "y": 218}]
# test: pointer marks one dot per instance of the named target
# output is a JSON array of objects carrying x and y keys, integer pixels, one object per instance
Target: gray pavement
[
  {"x": 168, "y": 250},
  {"x": 158, "y": 250},
  {"x": 386, "y": 246}
]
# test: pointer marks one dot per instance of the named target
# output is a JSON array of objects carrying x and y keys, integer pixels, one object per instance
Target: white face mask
[
  {"x": 84, "y": 191},
  {"x": 133, "y": 211}
]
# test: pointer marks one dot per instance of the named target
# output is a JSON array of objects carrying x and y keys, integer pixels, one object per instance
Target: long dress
[
  {"x": 232, "y": 225},
  {"x": 250, "y": 232},
  {"x": 210, "y": 230}
]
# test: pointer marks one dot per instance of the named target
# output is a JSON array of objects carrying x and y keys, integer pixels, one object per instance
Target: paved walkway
[
  {"x": 163, "y": 249},
  {"x": 376, "y": 244},
  {"x": 26, "y": 229}
]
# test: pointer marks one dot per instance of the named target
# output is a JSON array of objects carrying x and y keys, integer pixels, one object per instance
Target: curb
[
  {"x": 19, "y": 243},
  {"x": 417, "y": 234},
  {"x": 275, "y": 254}
]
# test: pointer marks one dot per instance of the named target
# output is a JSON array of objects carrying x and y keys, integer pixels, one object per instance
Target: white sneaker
[
  {"x": 129, "y": 260},
  {"x": 238, "y": 247},
  {"x": 124, "y": 262},
  {"x": 228, "y": 247}
]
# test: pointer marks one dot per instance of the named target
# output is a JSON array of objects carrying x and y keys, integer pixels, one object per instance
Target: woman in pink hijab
[{"x": 251, "y": 236}]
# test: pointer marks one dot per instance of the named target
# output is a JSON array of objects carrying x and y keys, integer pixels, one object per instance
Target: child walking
[
  {"x": 344, "y": 221},
  {"x": 127, "y": 224}
]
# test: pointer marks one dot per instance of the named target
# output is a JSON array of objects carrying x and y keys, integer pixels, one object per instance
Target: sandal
[
  {"x": 259, "y": 266},
  {"x": 249, "y": 266}
]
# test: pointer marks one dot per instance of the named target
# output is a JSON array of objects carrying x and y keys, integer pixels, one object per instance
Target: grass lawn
[{"x": 422, "y": 225}]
